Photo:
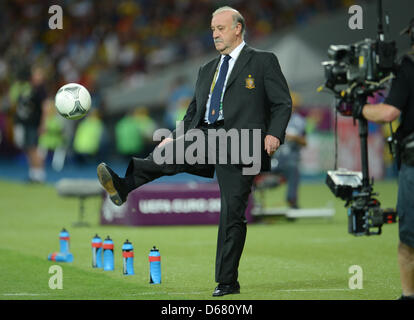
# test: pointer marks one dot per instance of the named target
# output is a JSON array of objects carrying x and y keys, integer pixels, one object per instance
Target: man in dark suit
[{"x": 241, "y": 89}]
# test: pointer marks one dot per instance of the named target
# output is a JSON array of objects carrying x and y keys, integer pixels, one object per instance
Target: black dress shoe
[
  {"x": 111, "y": 182},
  {"x": 223, "y": 289}
]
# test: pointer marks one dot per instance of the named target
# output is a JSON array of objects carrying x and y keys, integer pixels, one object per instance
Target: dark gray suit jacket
[{"x": 256, "y": 97}]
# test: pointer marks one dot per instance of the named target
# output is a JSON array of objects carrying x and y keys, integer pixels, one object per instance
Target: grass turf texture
[{"x": 304, "y": 259}]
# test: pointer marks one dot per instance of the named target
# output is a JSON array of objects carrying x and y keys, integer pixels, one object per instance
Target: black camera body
[
  {"x": 367, "y": 60},
  {"x": 361, "y": 67},
  {"x": 364, "y": 211}
]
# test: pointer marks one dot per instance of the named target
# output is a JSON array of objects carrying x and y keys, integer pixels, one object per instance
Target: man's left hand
[{"x": 271, "y": 144}]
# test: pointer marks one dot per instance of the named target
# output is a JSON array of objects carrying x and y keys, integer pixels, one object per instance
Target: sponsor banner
[{"x": 168, "y": 204}]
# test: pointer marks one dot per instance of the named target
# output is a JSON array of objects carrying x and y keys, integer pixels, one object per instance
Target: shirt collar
[{"x": 236, "y": 51}]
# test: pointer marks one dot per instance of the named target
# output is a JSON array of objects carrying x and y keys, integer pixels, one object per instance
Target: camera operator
[{"x": 400, "y": 102}]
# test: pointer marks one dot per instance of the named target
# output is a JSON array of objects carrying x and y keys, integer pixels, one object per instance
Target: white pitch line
[
  {"x": 145, "y": 293},
  {"x": 196, "y": 293},
  {"x": 186, "y": 292},
  {"x": 25, "y": 294},
  {"x": 162, "y": 292},
  {"x": 300, "y": 290}
]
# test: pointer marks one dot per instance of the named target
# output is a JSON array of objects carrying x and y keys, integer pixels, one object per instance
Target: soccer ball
[{"x": 73, "y": 101}]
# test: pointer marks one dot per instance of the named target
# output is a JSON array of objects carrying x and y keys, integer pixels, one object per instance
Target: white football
[{"x": 73, "y": 101}]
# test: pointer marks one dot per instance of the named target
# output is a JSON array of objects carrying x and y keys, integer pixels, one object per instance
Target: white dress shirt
[{"x": 234, "y": 55}]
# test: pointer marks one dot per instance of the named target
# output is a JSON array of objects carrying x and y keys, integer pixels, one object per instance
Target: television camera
[{"x": 355, "y": 72}]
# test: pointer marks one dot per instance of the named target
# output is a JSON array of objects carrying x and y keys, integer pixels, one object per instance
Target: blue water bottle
[
  {"x": 155, "y": 266},
  {"x": 63, "y": 255},
  {"x": 108, "y": 254},
  {"x": 128, "y": 258},
  {"x": 60, "y": 257},
  {"x": 97, "y": 252},
  {"x": 64, "y": 239}
]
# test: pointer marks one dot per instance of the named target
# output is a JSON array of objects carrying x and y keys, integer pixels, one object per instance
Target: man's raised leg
[{"x": 143, "y": 170}]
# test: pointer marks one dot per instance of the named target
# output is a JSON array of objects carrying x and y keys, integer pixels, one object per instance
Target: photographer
[{"x": 400, "y": 102}]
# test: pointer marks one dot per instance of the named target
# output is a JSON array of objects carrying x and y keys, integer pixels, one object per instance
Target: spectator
[
  {"x": 133, "y": 133},
  {"x": 52, "y": 130},
  {"x": 28, "y": 97},
  {"x": 88, "y": 137},
  {"x": 286, "y": 160}
]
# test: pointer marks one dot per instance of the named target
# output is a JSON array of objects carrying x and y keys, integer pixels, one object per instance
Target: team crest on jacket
[{"x": 250, "y": 82}]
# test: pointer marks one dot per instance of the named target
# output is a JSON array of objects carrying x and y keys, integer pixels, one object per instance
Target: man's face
[{"x": 225, "y": 36}]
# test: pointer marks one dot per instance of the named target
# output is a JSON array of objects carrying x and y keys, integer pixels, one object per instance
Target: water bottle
[
  {"x": 108, "y": 254},
  {"x": 97, "y": 252},
  {"x": 60, "y": 257},
  {"x": 64, "y": 241},
  {"x": 128, "y": 258},
  {"x": 155, "y": 266},
  {"x": 63, "y": 255}
]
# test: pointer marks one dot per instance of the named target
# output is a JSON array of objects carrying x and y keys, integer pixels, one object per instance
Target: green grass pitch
[{"x": 306, "y": 259}]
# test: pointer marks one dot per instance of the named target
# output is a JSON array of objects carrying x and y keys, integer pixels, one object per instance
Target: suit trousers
[{"x": 235, "y": 189}]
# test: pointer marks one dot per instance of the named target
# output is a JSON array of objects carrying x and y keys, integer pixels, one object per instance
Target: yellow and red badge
[{"x": 250, "y": 82}]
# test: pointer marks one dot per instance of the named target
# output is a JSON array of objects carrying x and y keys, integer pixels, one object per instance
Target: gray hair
[{"x": 237, "y": 17}]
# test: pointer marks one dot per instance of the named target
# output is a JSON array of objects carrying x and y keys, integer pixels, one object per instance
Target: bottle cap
[
  {"x": 108, "y": 244},
  {"x": 96, "y": 241},
  {"x": 127, "y": 246},
  {"x": 64, "y": 234}
]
